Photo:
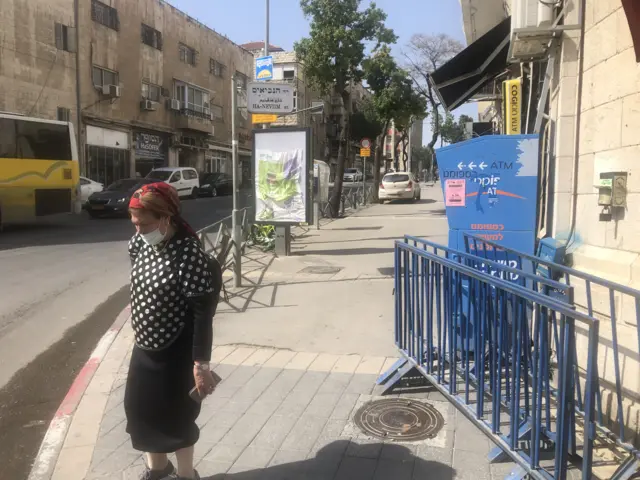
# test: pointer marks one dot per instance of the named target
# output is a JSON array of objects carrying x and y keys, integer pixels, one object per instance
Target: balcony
[{"x": 199, "y": 121}]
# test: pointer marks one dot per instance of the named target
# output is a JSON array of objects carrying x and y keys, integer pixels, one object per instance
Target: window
[
  {"x": 176, "y": 177},
  {"x": 289, "y": 74},
  {"x": 190, "y": 174},
  {"x": 187, "y": 54},
  {"x": 216, "y": 110},
  {"x": 295, "y": 100},
  {"x": 193, "y": 99},
  {"x": 84, "y": 181},
  {"x": 65, "y": 38},
  {"x": 151, "y": 37},
  {"x": 64, "y": 114},
  {"x": 151, "y": 92},
  {"x": 34, "y": 140},
  {"x": 105, "y": 15},
  {"x": 102, "y": 76},
  {"x": 241, "y": 80},
  {"x": 216, "y": 68}
]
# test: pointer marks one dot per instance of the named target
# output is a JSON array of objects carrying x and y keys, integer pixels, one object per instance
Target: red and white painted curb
[{"x": 51, "y": 446}]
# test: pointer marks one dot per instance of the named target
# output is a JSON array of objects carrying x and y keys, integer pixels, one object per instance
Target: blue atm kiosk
[{"x": 490, "y": 187}]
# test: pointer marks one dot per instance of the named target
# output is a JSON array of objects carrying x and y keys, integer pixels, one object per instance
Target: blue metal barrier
[
  {"x": 486, "y": 249},
  {"x": 504, "y": 383}
]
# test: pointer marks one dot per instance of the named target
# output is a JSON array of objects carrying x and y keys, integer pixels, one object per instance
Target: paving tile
[
  {"x": 256, "y": 457},
  {"x": 252, "y": 390},
  {"x": 304, "y": 434},
  {"x": 236, "y": 405},
  {"x": 364, "y": 448},
  {"x": 394, "y": 470},
  {"x": 335, "y": 383},
  {"x": 218, "y": 426},
  {"x": 471, "y": 466},
  {"x": 209, "y": 470},
  {"x": 264, "y": 407},
  {"x": 335, "y": 445},
  {"x": 243, "y": 472},
  {"x": 202, "y": 448},
  {"x": 259, "y": 357},
  {"x": 370, "y": 365},
  {"x": 239, "y": 355},
  {"x": 477, "y": 442},
  {"x": 282, "y": 385},
  {"x": 362, "y": 384},
  {"x": 224, "y": 453},
  {"x": 432, "y": 454},
  {"x": 235, "y": 381},
  {"x": 324, "y": 466},
  {"x": 322, "y": 404},
  {"x": 432, "y": 469},
  {"x": 323, "y": 362},
  {"x": 274, "y": 432},
  {"x": 280, "y": 359},
  {"x": 345, "y": 406},
  {"x": 500, "y": 471},
  {"x": 244, "y": 430},
  {"x": 353, "y": 468},
  {"x": 398, "y": 452},
  {"x": 218, "y": 354},
  {"x": 283, "y": 457},
  {"x": 347, "y": 364},
  {"x": 301, "y": 361}
]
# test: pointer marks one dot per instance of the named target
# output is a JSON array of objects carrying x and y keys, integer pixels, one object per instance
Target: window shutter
[
  {"x": 59, "y": 36},
  {"x": 159, "y": 37},
  {"x": 71, "y": 40}
]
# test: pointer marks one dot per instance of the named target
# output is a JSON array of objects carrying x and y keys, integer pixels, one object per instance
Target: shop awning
[
  {"x": 460, "y": 78},
  {"x": 632, "y": 9}
]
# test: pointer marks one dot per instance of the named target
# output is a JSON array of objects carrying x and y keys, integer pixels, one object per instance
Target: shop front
[
  {"x": 108, "y": 155},
  {"x": 151, "y": 151}
]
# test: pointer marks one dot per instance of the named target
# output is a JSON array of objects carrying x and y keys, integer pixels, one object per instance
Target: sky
[{"x": 245, "y": 22}]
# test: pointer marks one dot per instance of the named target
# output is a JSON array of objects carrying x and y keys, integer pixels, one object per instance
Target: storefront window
[
  {"x": 107, "y": 165},
  {"x": 216, "y": 161}
]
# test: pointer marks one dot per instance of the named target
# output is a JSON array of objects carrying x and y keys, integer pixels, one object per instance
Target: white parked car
[
  {"x": 399, "y": 186},
  {"x": 352, "y": 175},
  {"x": 87, "y": 187},
  {"x": 184, "y": 179}
]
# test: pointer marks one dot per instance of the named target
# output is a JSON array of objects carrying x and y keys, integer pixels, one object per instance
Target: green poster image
[{"x": 280, "y": 186}]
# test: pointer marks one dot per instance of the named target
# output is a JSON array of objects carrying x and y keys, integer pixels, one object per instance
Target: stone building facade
[{"x": 155, "y": 84}]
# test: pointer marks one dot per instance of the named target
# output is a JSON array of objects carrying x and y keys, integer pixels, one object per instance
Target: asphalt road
[{"x": 63, "y": 283}]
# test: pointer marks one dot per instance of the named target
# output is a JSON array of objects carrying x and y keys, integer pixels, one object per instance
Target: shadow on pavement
[
  {"x": 333, "y": 462},
  {"x": 349, "y": 251}
]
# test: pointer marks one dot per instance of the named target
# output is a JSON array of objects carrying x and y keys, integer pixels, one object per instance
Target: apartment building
[
  {"x": 154, "y": 83},
  {"x": 577, "y": 67}
]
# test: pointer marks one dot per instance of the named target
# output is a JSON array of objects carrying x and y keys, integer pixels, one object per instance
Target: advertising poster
[{"x": 281, "y": 165}]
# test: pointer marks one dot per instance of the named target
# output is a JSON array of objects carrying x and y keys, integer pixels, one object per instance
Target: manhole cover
[
  {"x": 399, "y": 419},
  {"x": 321, "y": 270}
]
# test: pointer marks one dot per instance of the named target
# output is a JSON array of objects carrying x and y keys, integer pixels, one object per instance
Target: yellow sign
[
  {"x": 512, "y": 106},
  {"x": 365, "y": 152},
  {"x": 263, "y": 118}
]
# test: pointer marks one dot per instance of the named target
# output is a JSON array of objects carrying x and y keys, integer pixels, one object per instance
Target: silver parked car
[
  {"x": 352, "y": 175},
  {"x": 399, "y": 186}
]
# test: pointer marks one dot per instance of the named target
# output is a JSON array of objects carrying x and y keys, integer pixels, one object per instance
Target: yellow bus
[{"x": 39, "y": 172}]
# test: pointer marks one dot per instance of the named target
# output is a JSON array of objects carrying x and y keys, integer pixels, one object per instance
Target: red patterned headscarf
[{"x": 161, "y": 199}]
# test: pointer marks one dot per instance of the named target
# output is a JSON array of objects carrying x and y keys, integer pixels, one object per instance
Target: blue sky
[{"x": 244, "y": 22}]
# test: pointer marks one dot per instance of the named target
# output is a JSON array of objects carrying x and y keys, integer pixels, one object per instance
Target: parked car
[
  {"x": 87, "y": 187},
  {"x": 399, "y": 186},
  {"x": 114, "y": 200},
  {"x": 352, "y": 175},
  {"x": 214, "y": 184},
  {"x": 185, "y": 179}
]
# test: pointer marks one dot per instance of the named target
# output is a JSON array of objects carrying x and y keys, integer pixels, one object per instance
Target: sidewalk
[{"x": 299, "y": 349}]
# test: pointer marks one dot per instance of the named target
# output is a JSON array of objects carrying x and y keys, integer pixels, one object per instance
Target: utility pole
[
  {"x": 81, "y": 156},
  {"x": 266, "y": 44},
  {"x": 235, "y": 227}
]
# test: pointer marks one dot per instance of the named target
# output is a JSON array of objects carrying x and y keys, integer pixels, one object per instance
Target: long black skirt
[{"x": 161, "y": 416}]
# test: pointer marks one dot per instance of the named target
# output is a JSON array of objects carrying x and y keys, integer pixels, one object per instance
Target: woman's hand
[{"x": 206, "y": 381}]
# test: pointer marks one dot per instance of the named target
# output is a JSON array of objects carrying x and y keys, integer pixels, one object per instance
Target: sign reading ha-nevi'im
[{"x": 269, "y": 98}]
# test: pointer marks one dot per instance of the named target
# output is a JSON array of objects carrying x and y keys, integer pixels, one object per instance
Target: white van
[{"x": 184, "y": 179}]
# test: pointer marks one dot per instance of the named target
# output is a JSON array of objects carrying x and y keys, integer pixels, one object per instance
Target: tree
[
  {"x": 452, "y": 131},
  {"x": 422, "y": 158},
  {"x": 427, "y": 53},
  {"x": 332, "y": 56},
  {"x": 394, "y": 98}
]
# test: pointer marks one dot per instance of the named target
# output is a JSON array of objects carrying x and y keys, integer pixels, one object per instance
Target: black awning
[
  {"x": 632, "y": 9},
  {"x": 465, "y": 74}
]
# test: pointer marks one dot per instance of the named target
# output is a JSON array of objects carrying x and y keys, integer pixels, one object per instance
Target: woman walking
[{"x": 172, "y": 304}]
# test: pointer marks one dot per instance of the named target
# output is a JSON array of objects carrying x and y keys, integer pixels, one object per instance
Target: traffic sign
[
  {"x": 269, "y": 98},
  {"x": 365, "y": 143},
  {"x": 365, "y": 152},
  {"x": 263, "y": 118}
]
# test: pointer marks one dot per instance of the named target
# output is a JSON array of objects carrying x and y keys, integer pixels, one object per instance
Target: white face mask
[{"x": 154, "y": 237}]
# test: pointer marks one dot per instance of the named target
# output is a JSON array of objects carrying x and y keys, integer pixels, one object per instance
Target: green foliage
[
  {"x": 422, "y": 156},
  {"x": 263, "y": 237},
  {"x": 365, "y": 123},
  {"x": 453, "y": 131},
  {"x": 334, "y": 51}
]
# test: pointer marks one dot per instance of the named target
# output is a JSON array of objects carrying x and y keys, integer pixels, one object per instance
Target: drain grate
[
  {"x": 321, "y": 270},
  {"x": 399, "y": 419}
]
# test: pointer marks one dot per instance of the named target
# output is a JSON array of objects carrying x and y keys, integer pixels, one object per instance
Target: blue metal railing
[
  {"x": 485, "y": 343},
  {"x": 585, "y": 282}
]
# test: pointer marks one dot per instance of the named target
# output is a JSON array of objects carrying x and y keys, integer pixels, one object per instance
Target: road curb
[{"x": 45, "y": 461}]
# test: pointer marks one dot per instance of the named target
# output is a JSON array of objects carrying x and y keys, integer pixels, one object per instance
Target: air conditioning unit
[
  {"x": 148, "y": 105},
  {"x": 531, "y": 29},
  {"x": 174, "y": 104},
  {"x": 112, "y": 91}
]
